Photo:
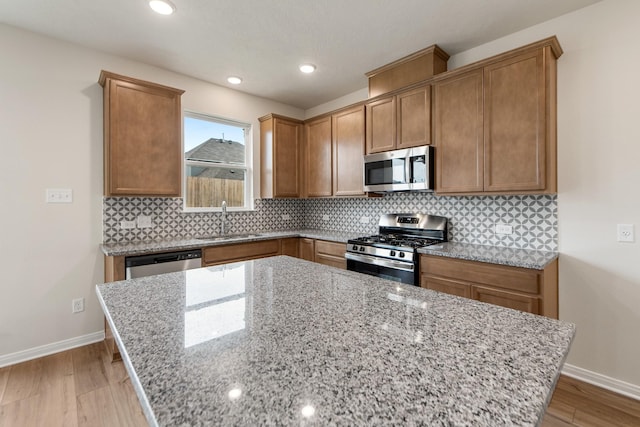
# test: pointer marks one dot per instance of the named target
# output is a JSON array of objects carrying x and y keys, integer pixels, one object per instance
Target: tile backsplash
[{"x": 471, "y": 218}]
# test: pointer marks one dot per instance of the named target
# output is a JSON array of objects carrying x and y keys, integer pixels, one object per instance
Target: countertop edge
[
  {"x": 537, "y": 260},
  {"x": 524, "y": 258},
  {"x": 135, "y": 382}
]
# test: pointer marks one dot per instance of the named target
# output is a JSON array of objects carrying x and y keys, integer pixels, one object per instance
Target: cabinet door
[
  {"x": 286, "y": 140},
  {"x": 142, "y": 139},
  {"x": 307, "y": 249},
  {"x": 290, "y": 246},
  {"x": 414, "y": 118},
  {"x": 515, "y": 123},
  {"x": 506, "y": 299},
  {"x": 458, "y": 122},
  {"x": 381, "y": 125},
  {"x": 348, "y": 152},
  {"x": 318, "y": 164},
  {"x": 446, "y": 286}
]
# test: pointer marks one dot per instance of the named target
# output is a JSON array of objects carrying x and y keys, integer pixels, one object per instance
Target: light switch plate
[
  {"x": 504, "y": 229},
  {"x": 325, "y": 217},
  {"x": 59, "y": 195},
  {"x": 126, "y": 225},
  {"x": 365, "y": 220},
  {"x": 144, "y": 221},
  {"x": 286, "y": 217}
]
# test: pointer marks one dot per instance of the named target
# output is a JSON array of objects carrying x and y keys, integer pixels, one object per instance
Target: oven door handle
[{"x": 382, "y": 262}]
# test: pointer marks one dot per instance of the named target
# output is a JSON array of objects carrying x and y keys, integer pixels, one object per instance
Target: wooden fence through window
[{"x": 206, "y": 192}]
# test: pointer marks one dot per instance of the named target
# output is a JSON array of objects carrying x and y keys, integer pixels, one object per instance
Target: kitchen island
[{"x": 282, "y": 341}]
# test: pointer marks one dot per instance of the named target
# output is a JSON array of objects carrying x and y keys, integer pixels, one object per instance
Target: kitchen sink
[{"x": 230, "y": 236}]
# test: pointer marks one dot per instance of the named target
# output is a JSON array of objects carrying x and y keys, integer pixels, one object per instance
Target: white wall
[{"x": 51, "y": 136}]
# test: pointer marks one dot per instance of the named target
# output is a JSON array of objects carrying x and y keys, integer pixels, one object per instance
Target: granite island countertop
[{"x": 283, "y": 341}]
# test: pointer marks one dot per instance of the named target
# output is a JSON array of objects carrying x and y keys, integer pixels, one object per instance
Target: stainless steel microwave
[{"x": 410, "y": 169}]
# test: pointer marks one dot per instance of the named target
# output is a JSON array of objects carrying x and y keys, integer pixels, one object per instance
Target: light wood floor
[{"x": 80, "y": 387}]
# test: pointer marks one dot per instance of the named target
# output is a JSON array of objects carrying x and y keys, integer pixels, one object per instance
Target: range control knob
[
  {"x": 401, "y": 254},
  {"x": 393, "y": 253},
  {"x": 361, "y": 248},
  {"x": 355, "y": 247}
]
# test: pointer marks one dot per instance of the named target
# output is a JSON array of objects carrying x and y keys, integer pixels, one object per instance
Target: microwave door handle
[{"x": 407, "y": 170}]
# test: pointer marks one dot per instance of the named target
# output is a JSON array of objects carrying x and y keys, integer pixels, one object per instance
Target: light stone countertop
[
  {"x": 283, "y": 341},
  {"x": 492, "y": 254},
  {"x": 141, "y": 248},
  {"x": 514, "y": 257}
]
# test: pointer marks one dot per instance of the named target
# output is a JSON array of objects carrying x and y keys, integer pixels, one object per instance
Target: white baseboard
[
  {"x": 602, "y": 381},
  {"x": 47, "y": 349}
]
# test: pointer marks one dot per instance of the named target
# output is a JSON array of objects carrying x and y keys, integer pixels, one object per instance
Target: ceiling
[{"x": 264, "y": 41}]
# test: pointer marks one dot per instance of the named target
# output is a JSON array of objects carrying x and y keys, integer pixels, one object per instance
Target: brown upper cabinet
[
  {"x": 334, "y": 154},
  {"x": 399, "y": 121},
  {"x": 495, "y": 123},
  {"x": 142, "y": 137},
  {"x": 280, "y": 139}
]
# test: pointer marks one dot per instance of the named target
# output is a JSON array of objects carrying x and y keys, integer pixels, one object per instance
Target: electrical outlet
[
  {"x": 504, "y": 229},
  {"x": 144, "y": 221},
  {"x": 126, "y": 225},
  {"x": 325, "y": 217},
  {"x": 77, "y": 305},
  {"x": 286, "y": 217},
  {"x": 365, "y": 220},
  {"x": 59, "y": 195},
  {"x": 626, "y": 233}
]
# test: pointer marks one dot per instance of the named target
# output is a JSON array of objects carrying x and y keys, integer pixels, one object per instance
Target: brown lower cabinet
[
  {"x": 307, "y": 248},
  {"x": 524, "y": 289}
]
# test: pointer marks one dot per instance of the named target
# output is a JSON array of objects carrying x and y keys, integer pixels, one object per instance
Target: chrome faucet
[{"x": 223, "y": 226}]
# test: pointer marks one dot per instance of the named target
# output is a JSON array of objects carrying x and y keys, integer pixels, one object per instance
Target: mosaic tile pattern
[
  {"x": 170, "y": 222},
  {"x": 471, "y": 218}
]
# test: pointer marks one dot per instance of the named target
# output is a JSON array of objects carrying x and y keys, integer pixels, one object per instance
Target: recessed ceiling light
[
  {"x": 307, "y": 68},
  {"x": 163, "y": 7},
  {"x": 234, "y": 80}
]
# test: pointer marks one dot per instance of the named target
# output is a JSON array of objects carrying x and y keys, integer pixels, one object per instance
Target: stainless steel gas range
[{"x": 392, "y": 254}]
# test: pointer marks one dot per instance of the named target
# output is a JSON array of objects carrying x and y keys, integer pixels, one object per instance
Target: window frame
[{"x": 247, "y": 167}]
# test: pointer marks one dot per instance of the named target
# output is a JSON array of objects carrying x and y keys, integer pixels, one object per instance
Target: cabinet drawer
[
  {"x": 220, "y": 254},
  {"x": 330, "y": 248},
  {"x": 506, "y": 299},
  {"x": 330, "y": 253},
  {"x": 513, "y": 278},
  {"x": 446, "y": 286}
]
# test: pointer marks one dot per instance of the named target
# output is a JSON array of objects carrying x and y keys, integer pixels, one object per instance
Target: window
[{"x": 217, "y": 155}]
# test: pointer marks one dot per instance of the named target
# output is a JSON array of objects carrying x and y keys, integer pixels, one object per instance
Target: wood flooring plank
[
  {"x": 4, "y": 377},
  {"x": 23, "y": 381},
  {"x": 97, "y": 408},
  {"x": 56, "y": 403},
  {"x": 127, "y": 404},
  {"x": 19, "y": 413},
  {"x": 588, "y": 392},
  {"x": 551, "y": 421},
  {"x": 88, "y": 369},
  {"x": 561, "y": 410}
]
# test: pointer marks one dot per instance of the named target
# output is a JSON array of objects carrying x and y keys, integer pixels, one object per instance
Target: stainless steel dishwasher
[{"x": 167, "y": 262}]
